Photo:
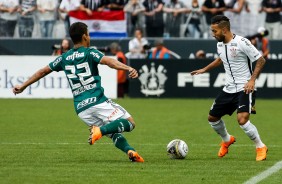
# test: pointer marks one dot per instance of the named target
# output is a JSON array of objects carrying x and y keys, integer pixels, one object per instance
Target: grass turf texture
[{"x": 43, "y": 141}]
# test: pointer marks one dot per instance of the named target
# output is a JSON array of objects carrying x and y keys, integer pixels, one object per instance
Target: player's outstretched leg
[
  {"x": 122, "y": 144},
  {"x": 227, "y": 139},
  {"x": 117, "y": 126},
  {"x": 253, "y": 134}
]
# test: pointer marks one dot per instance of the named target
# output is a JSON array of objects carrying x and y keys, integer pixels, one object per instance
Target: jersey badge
[{"x": 233, "y": 52}]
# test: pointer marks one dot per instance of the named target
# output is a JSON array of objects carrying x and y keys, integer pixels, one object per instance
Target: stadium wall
[
  {"x": 172, "y": 79},
  {"x": 186, "y": 48}
]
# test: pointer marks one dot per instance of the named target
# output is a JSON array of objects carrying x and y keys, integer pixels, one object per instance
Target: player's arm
[
  {"x": 217, "y": 62},
  {"x": 113, "y": 63},
  {"x": 35, "y": 77},
  {"x": 250, "y": 85}
]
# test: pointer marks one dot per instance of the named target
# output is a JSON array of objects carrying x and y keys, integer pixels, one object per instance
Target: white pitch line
[{"x": 275, "y": 168}]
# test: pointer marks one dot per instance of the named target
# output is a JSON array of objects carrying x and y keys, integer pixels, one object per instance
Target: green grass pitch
[{"x": 43, "y": 141}]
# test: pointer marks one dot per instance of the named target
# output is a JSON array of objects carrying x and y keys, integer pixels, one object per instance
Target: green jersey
[{"x": 81, "y": 68}]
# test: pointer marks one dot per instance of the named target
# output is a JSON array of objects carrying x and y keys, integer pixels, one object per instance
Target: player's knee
[
  {"x": 130, "y": 119},
  {"x": 133, "y": 124},
  {"x": 212, "y": 118},
  {"x": 242, "y": 118}
]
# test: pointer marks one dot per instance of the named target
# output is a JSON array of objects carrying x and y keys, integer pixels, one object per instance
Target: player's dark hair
[
  {"x": 221, "y": 20},
  {"x": 77, "y": 30}
]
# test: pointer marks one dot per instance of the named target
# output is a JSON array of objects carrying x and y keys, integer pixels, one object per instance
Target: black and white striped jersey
[{"x": 237, "y": 57}]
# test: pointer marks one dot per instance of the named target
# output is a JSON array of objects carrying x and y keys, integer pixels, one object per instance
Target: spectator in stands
[
  {"x": 115, "y": 4},
  {"x": 8, "y": 17},
  {"x": 121, "y": 74},
  {"x": 195, "y": 18},
  {"x": 154, "y": 18},
  {"x": 159, "y": 51},
  {"x": 92, "y": 5},
  {"x": 65, "y": 7},
  {"x": 175, "y": 11},
  {"x": 261, "y": 42},
  {"x": 272, "y": 22},
  {"x": 135, "y": 17},
  {"x": 210, "y": 9},
  {"x": 46, "y": 16},
  {"x": 26, "y": 17},
  {"x": 62, "y": 48},
  {"x": 255, "y": 17},
  {"x": 137, "y": 46},
  {"x": 200, "y": 54},
  {"x": 234, "y": 11}
]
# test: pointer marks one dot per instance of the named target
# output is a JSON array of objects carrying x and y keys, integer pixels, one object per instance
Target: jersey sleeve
[
  {"x": 250, "y": 50},
  {"x": 96, "y": 55},
  {"x": 56, "y": 64}
]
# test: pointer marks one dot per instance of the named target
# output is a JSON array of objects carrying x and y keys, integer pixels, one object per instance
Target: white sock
[
  {"x": 220, "y": 129},
  {"x": 252, "y": 133}
]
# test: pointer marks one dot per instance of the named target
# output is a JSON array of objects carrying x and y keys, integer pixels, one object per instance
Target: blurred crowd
[{"x": 154, "y": 18}]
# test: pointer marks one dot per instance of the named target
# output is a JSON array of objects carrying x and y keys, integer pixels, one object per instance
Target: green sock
[
  {"x": 121, "y": 143},
  {"x": 117, "y": 126}
]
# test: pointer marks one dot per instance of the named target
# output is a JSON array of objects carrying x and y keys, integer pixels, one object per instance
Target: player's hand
[
  {"x": 196, "y": 72},
  {"x": 18, "y": 89},
  {"x": 249, "y": 87},
  {"x": 133, "y": 73}
]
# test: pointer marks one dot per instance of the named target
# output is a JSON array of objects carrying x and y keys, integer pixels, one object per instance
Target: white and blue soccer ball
[{"x": 177, "y": 149}]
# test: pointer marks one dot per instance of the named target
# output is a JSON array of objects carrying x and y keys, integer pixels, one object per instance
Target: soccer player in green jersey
[{"x": 80, "y": 65}]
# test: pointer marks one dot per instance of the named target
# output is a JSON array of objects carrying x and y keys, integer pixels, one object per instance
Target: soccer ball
[{"x": 177, "y": 149}]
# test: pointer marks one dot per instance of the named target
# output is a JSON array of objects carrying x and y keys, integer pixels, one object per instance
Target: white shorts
[{"x": 101, "y": 114}]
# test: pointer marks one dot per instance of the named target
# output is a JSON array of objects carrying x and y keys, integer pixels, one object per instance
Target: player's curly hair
[
  {"x": 77, "y": 30},
  {"x": 221, "y": 20}
]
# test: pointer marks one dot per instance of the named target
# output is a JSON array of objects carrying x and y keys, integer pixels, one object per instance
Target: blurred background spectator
[
  {"x": 65, "y": 7},
  {"x": 234, "y": 11},
  {"x": 8, "y": 17},
  {"x": 135, "y": 18},
  {"x": 154, "y": 18},
  {"x": 46, "y": 16},
  {"x": 175, "y": 11},
  {"x": 210, "y": 9},
  {"x": 137, "y": 46},
  {"x": 92, "y": 5},
  {"x": 115, "y": 4},
  {"x": 200, "y": 54},
  {"x": 254, "y": 16},
  {"x": 195, "y": 19},
  {"x": 260, "y": 41},
  {"x": 26, "y": 17},
  {"x": 159, "y": 51},
  {"x": 272, "y": 21},
  {"x": 121, "y": 74},
  {"x": 59, "y": 49}
]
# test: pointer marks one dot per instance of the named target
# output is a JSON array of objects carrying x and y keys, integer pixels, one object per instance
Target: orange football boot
[
  {"x": 261, "y": 153},
  {"x": 134, "y": 156},
  {"x": 95, "y": 134},
  {"x": 224, "y": 146}
]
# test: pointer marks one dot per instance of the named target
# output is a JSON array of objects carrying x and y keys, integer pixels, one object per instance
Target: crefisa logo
[{"x": 152, "y": 80}]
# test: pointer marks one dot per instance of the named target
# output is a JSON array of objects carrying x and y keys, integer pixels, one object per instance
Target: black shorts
[{"x": 227, "y": 103}]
